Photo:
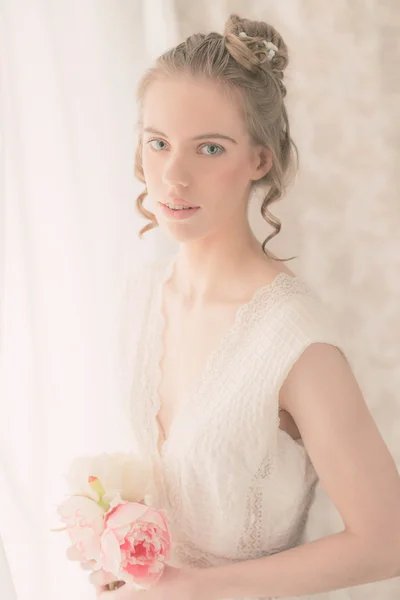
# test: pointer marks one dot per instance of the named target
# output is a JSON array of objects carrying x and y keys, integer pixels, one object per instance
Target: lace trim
[
  {"x": 270, "y": 295},
  {"x": 137, "y": 301},
  {"x": 251, "y": 541}
]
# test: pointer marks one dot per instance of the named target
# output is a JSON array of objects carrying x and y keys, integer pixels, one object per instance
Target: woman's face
[{"x": 196, "y": 148}]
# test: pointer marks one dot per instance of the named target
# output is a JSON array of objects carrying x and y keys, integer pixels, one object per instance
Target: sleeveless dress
[{"x": 233, "y": 484}]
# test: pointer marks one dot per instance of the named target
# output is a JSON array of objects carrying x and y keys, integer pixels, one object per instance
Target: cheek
[
  {"x": 151, "y": 167},
  {"x": 231, "y": 174},
  {"x": 147, "y": 164}
]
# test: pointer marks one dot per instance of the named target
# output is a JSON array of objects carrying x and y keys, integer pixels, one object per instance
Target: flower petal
[
  {"x": 110, "y": 554},
  {"x": 131, "y": 512},
  {"x": 124, "y": 514}
]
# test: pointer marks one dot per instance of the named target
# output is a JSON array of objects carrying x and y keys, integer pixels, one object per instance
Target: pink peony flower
[
  {"x": 84, "y": 520},
  {"x": 135, "y": 544}
]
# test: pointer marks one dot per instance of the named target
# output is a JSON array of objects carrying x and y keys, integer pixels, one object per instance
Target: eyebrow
[{"x": 203, "y": 136}]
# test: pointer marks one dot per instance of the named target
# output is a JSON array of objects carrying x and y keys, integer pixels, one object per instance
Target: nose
[{"x": 176, "y": 171}]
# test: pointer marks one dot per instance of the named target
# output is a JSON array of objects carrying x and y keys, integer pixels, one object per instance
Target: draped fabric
[
  {"x": 7, "y": 586},
  {"x": 68, "y": 237}
]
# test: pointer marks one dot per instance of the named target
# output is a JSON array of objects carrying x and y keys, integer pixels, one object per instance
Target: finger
[
  {"x": 101, "y": 578},
  {"x": 104, "y": 593},
  {"x": 121, "y": 592}
]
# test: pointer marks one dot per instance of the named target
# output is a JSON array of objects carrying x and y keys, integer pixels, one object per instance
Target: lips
[{"x": 175, "y": 201}]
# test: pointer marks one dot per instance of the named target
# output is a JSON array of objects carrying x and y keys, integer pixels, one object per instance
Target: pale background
[{"x": 68, "y": 71}]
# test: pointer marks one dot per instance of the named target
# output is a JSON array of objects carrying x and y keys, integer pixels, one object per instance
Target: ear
[{"x": 263, "y": 162}]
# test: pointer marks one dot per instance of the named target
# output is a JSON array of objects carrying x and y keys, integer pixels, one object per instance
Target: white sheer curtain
[
  {"x": 7, "y": 586},
  {"x": 68, "y": 72}
]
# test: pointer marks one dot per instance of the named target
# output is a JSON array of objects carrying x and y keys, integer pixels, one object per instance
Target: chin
[{"x": 174, "y": 232}]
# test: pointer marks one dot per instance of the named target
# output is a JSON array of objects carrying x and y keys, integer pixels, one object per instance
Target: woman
[{"x": 241, "y": 391}]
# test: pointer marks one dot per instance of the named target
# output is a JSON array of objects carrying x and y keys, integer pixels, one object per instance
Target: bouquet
[{"x": 110, "y": 522}]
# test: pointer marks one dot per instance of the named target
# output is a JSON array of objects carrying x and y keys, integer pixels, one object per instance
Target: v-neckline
[{"x": 157, "y": 353}]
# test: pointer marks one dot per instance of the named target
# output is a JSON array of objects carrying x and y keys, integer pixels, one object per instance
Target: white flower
[
  {"x": 272, "y": 49},
  {"x": 119, "y": 473}
]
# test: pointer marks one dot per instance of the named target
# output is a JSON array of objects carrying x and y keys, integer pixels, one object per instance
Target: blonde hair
[{"x": 243, "y": 65}]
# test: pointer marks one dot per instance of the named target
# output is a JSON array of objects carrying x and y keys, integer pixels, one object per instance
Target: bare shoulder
[{"x": 343, "y": 441}]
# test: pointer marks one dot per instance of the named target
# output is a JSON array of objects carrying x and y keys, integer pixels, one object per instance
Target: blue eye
[
  {"x": 215, "y": 149},
  {"x": 157, "y": 142}
]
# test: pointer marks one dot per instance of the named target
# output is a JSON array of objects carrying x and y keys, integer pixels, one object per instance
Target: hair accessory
[
  {"x": 272, "y": 49},
  {"x": 269, "y": 45}
]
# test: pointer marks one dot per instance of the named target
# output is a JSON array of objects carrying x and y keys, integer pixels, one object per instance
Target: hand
[
  {"x": 101, "y": 579},
  {"x": 174, "y": 584}
]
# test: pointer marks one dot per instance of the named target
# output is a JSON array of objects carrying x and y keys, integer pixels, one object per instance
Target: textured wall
[{"x": 342, "y": 216}]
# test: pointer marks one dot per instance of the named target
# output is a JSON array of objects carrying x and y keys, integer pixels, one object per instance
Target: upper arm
[{"x": 344, "y": 444}]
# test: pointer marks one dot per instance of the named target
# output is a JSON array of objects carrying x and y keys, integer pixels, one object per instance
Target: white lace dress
[{"x": 235, "y": 486}]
